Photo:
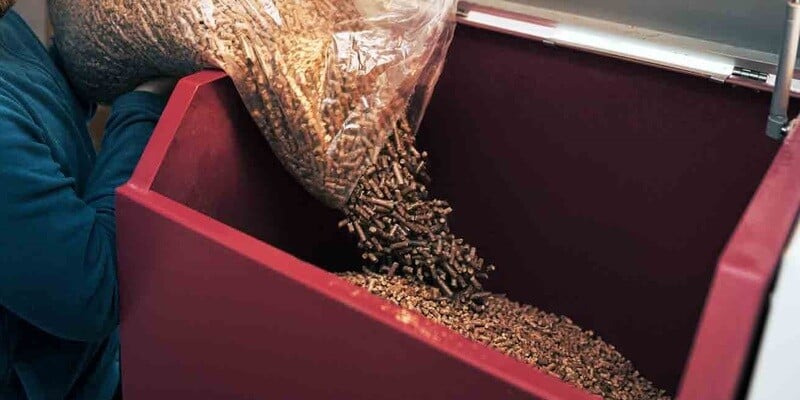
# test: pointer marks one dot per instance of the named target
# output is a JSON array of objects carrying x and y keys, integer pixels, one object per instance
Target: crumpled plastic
[{"x": 326, "y": 81}]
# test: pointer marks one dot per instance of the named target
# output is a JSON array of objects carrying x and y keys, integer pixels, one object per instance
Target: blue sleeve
[
  {"x": 58, "y": 249},
  {"x": 133, "y": 118}
]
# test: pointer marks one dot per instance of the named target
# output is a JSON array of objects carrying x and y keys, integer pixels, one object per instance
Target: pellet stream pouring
[{"x": 403, "y": 232}]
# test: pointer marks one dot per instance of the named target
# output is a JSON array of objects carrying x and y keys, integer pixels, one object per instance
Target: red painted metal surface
[
  {"x": 613, "y": 189},
  {"x": 209, "y": 312},
  {"x": 744, "y": 275}
]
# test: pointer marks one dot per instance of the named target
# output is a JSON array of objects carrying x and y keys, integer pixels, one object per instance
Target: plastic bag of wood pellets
[{"x": 325, "y": 80}]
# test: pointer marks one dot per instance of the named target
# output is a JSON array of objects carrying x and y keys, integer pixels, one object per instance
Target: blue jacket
[{"x": 58, "y": 283}]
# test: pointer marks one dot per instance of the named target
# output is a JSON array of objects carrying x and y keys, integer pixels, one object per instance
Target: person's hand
[{"x": 160, "y": 86}]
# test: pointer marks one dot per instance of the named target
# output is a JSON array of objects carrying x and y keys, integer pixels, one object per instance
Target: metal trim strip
[{"x": 717, "y": 62}]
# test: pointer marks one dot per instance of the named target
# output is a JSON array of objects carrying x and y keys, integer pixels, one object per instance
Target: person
[{"x": 58, "y": 283}]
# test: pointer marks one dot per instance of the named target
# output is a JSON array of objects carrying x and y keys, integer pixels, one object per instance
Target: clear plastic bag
[{"x": 325, "y": 80}]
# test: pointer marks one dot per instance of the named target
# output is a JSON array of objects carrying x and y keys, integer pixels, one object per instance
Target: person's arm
[{"x": 57, "y": 250}]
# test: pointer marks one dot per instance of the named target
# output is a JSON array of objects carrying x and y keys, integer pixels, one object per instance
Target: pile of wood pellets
[
  {"x": 401, "y": 231},
  {"x": 549, "y": 342}
]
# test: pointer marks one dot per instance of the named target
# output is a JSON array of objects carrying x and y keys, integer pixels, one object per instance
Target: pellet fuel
[
  {"x": 402, "y": 231},
  {"x": 551, "y": 343},
  {"x": 324, "y": 80},
  {"x": 412, "y": 259}
]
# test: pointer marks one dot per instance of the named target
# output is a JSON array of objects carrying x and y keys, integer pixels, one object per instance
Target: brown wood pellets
[
  {"x": 551, "y": 343},
  {"x": 402, "y": 231},
  {"x": 324, "y": 80}
]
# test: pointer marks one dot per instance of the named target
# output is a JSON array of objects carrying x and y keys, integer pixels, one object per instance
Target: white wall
[
  {"x": 35, "y": 13},
  {"x": 777, "y": 367}
]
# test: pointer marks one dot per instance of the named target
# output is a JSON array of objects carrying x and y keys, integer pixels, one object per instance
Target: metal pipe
[{"x": 778, "y": 120}]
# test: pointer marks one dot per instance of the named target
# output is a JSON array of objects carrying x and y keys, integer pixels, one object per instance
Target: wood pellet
[
  {"x": 323, "y": 92},
  {"x": 400, "y": 230},
  {"x": 549, "y": 342}
]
